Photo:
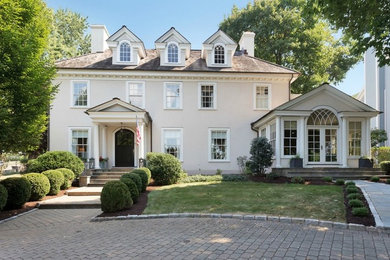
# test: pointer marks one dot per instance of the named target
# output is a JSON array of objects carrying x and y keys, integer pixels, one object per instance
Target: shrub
[
  {"x": 388, "y": 181},
  {"x": 385, "y": 166},
  {"x": 19, "y": 191},
  {"x": 115, "y": 196},
  {"x": 327, "y": 179},
  {"x": 144, "y": 178},
  {"x": 68, "y": 177},
  {"x": 356, "y": 203},
  {"x": 201, "y": 178},
  {"x": 3, "y": 196},
  {"x": 135, "y": 178},
  {"x": 183, "y": 175},
  {"x": 218, "y": 172},
  {"x": 298, "y": 180},
  {"x": 165, "y": 168},
  {"x": 360, "y": 212},
  {"x": 340, "y": 182},
  {"x": 374, "y": 179},
  {"x": 353, "y": 196},
  {"x": 351, "y": 189},
  {"x": 57, "y": 159},
  {"x": 147, "y": 171},
  {"x": 383, "y": 153},
  {"x": 271, "y": 176},
  {"x": 40, "y": 185},
  {"x": 261, "y": 155},
  {"x": 56, "y": 179},
  {"x": 350, "y": 183},
  {"x": 134, "y": 192}
]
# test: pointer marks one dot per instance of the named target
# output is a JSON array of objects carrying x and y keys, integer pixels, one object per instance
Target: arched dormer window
[
  {"x": 219, "y": 54},
  {"x": 173, "y": 53},
  {"x": 124, "y": 52}
]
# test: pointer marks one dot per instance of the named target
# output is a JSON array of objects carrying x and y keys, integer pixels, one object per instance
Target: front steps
[
  {"x": 100, "y": 177},
  {"x": 345, "y": 173}
]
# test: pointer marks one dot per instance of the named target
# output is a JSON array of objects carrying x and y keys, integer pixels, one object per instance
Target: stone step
[
  {"x": 85, "y": 191},
  {"x": 108, "y": 173},
  {"x": 99, "y": 181},
  {"x": 71, "y": 202},
  {"x": 95, "y": 185},
  {"x": 112, "y": 177}
]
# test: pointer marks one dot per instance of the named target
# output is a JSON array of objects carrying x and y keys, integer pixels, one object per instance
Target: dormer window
[
  {"x": 124, "y": 52},
  {"x": 173, "y": 53},
  {"x": 219, "y": 54}
]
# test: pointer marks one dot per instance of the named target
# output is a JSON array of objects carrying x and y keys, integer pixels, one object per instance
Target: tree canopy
[
  {"x": 289, "y": 34},
  {"x": 25, "y": 74}
]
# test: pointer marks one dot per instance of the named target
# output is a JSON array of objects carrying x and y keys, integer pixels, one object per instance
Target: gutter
[{"x": 289, "y": 87}]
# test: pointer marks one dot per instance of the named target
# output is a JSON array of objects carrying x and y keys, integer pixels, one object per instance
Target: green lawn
[{"x": 294, "y": 200}]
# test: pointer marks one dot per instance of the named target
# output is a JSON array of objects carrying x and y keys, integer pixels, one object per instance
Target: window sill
[
  {"x": 207, "y": 109},
  {"x": 173, "y": 109},
  {"x": 219, "y": 161},
  {"x": 79, "y": 107}
]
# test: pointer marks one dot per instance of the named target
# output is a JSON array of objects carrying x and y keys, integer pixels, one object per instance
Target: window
[
  {"x": 219, "y": 144},
  {"x": 173, "y": 53},
  {"x": 124, "y": 52},
  {"x": 263, "y": 132},
  {"x": 323, "y": 117},
  {"x": 290, "y": 138},
  {"x": 172, "y": 95},
  {"x": 207, "y": 96},
  {"x": 355, "y": 135},
  {"x": 261, "y": 97},
  {"x": 272, "y": 136},
  {"x": 80, "y": 91},
  {"x": 80, "y": 143},
  {"x": 219, "y": 54},
  {"x": 136, "y": 93},
  {"x": 172, "y": 142}
]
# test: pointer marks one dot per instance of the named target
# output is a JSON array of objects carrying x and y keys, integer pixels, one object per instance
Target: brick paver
[{"x": 65, "y": 234}]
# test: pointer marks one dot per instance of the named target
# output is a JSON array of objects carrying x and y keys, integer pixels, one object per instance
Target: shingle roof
[{"x": 241, "y": 63}]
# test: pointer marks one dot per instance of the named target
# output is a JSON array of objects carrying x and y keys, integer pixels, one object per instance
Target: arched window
[
  {"x": 219, "y": 54},
  {"x": 124, "y": 52},
  {"x": 323, "y": 117},
  {"x": 173, "y": 53}
]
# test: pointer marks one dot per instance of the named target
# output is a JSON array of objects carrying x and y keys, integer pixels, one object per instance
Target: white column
[
  {"x": 277, "y": 142},
  {"x": 104, "y": 142},
  {"x": 301, "y": 137},
  {"x": 143, "y": 141},
  {"x": 344, "y": 140},
  {"x": 368, "y": 138},
  {"x": 96, "y": 145}
]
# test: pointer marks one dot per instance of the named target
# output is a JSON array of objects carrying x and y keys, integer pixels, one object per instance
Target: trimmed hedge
[
  {"x": 327, "y": 179},
  {"x": 298, "y": 180},
  {"x": 360, "y": 212},
  {"x": 388, "y": 181},
  {"x": 115, "y": 196},
  {"x": 56, "y": 179},
  {"x": 383, "y": 153},
  {"x": 353, "y": 196},
  {"x": 374, "y": 179},
  {"x": 68, "y": 177},
  {"x": 351, "y": 189},
  {"x": 148, "y": 172},
  {"x": 19, "y": 191},
  {"x": 3, "y": 196},
  {"x": 144, "y": 177},
  {"x": 340, "y": 182},
  {"x": 356, "y": 203},
  {"x": 40, "y": 185},
  {"x": 134, "y": 193},
  {"x": 385, "y": 166},
  {"x": 135, "y": 178},
  {"x": 165, "y": 168},
  {"x": 56, "y": 159},
  {"x": 212, "y": 178},
  {"x": 350, "y": 183}
]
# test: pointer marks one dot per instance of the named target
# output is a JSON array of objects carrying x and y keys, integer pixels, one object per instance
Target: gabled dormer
[
  {"x": 218, "y": 50},
  {"x": 127, "y": 48},
  {"x": 173, "y": 48}
]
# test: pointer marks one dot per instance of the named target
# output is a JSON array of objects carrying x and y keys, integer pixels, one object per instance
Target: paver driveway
[{"x": 68, "y": 234}]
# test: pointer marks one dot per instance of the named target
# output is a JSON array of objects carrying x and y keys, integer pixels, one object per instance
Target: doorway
[{"x": 124, "y": 148}]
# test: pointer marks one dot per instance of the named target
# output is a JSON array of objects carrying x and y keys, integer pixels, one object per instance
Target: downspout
[
  {"x": 257, "y": 131},
  {"x": 289, "y": 87}
]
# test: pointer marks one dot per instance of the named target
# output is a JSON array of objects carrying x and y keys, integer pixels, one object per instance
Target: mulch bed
[{"x": 367, "y": 221}]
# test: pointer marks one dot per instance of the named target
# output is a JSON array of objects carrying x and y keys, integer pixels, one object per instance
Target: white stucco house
[{"x": 202, "y": 106}]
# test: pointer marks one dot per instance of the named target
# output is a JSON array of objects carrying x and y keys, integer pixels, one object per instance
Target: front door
[
  {"x": 124, "y": 148},
  {"x": 322, "y": 145}
]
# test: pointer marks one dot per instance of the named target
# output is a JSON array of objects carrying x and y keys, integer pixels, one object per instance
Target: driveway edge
[{"x": 19, "y": 215}]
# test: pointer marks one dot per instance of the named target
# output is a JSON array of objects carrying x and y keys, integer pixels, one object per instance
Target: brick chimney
[
  {"x": 99, "y": 35},
  {"x": 247, "y": 42}
]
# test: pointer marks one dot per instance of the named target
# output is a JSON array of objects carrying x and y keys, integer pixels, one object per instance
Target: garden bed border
[{"x": 18, "y": 215}]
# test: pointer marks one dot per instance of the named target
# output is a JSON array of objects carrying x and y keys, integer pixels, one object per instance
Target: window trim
[
  {"x": 227, "y": 160},
  {"x": 128, "y": 91},
  {"x": 224, "y": 54},
  {"x": 118, "y": 58},
  {"x": 180, "y": 97},
  {"x": 200, "y": 84},
  {"x": 178, "y": 53},
  {"x": 361, "y": 133},
  {"x": 283, "y": 137},
  {"x": 73, "y": 128},
  {"x": 260, "y": 84},
  {"x": 72, "y": 105},
  {"x": 181, "y": 159}
]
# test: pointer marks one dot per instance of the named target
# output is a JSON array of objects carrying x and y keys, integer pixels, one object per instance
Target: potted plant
[
  {"x": 103, "y": 162},
  {"x": 365, "y": 162},
  {"x": 296, "y": 162}
]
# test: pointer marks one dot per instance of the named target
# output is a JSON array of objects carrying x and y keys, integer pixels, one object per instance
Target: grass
[{"x": 324, "y": 202}]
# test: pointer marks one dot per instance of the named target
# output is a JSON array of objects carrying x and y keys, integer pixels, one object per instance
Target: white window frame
[
  {"x": 178, "y": 53},
  {"x": 283, "y": 137},
  {"x": 118, "y": 59},
  {"x": 361, "y": 135},
  {"x": 227, "y": 146},
  {"x": 269, "y": 96},
  {"x": 72, "y": 101},
  {"x": 265, "y": 132},
  {"x": 273, "y": 139},
  {"x": 180, "y": 97},
  {"x": 224, "y": 54},
  {"x": 70, "y": 136},
  {"x": 128, "y": 91},
  {"x": 200, "y": 84},
  {"x": 181, "y": 159}
]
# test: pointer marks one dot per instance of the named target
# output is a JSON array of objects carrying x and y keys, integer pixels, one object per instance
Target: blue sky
[{"x": 196, "y": 20}]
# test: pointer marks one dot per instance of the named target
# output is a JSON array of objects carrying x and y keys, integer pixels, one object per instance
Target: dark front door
[{"x": 124, "y": 148}]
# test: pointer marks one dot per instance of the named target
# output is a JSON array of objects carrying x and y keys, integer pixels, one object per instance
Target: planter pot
[
  {"x": 365, "y": 163},
  {"x": 296, "y": 163},
  {"x": 103, "y": 164}
]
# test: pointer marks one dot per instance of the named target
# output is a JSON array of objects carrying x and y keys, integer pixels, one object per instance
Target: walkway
[
  {"x": 68, "y": 234},
  {"x": 378, "y": 196}
]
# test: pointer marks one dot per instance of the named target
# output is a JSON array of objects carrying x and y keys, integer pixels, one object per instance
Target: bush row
[{"x": 354, "y": 200}]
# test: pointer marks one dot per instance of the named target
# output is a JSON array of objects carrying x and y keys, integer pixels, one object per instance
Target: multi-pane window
[
  {"x": 173, "y": 53},
  {"x": 263, "y": 132},
  {"x": 207, "y": 96},
  {"x": 219, "y": 144},
  {"x": 136, "y": 94},
  {"x": 272, "y": 136},
  {"x": 173, "y": 95},
  {"x": 290, "y": 138},
  {"x": 80, "y": 93},
  {"x": 219, "y": 54},
  {"x": 172, "y": 142},
  {"x": 355, "y": 135},
  {"x": 80, "y": 143},
  {"x": 261, "y": 97},
  {"x": 124, "y": 52}
]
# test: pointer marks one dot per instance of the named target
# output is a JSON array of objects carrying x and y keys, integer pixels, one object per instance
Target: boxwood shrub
[
  {"x": 350, "y": 183},
  {"x": 340, "y": 182},
  {"x": 3, "y": 196},
  {"x": 40, "y": 185},
  {"x": 351, "y": 189},
  {"x": 19, "y": 191},
  {"x": 388, "y": 181},
  {"x": 115, "y": 196},
  {"x": 356, "y": 203},
  {"x": 135, "y": 178},
  {"x": 360, "y": 212},
  {"x": 56, "y": 159},
  {"x": 385, "y": 166},
  {"x": 134, "y": 193},
  {"x": 165, "y": 168},
  {"x": 327, "y": 179},
  {"x": 56, "y": 179},
  {"x": 353, "y": 196},
  {"x": 374, "y": 179},
  {"x": 68, "y": 177},
  {"x": 144, "y": 178}
]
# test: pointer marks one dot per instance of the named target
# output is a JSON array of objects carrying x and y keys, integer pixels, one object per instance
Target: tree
[
  {"x": 68, "y": 38},
  {"x": 378, "y": 136},
  {"x": 365, "y": 21},
  {"x": 25, "y": 74},
  {"x": 261, "y": 155},
  {"x": 289, "y": 34}
]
